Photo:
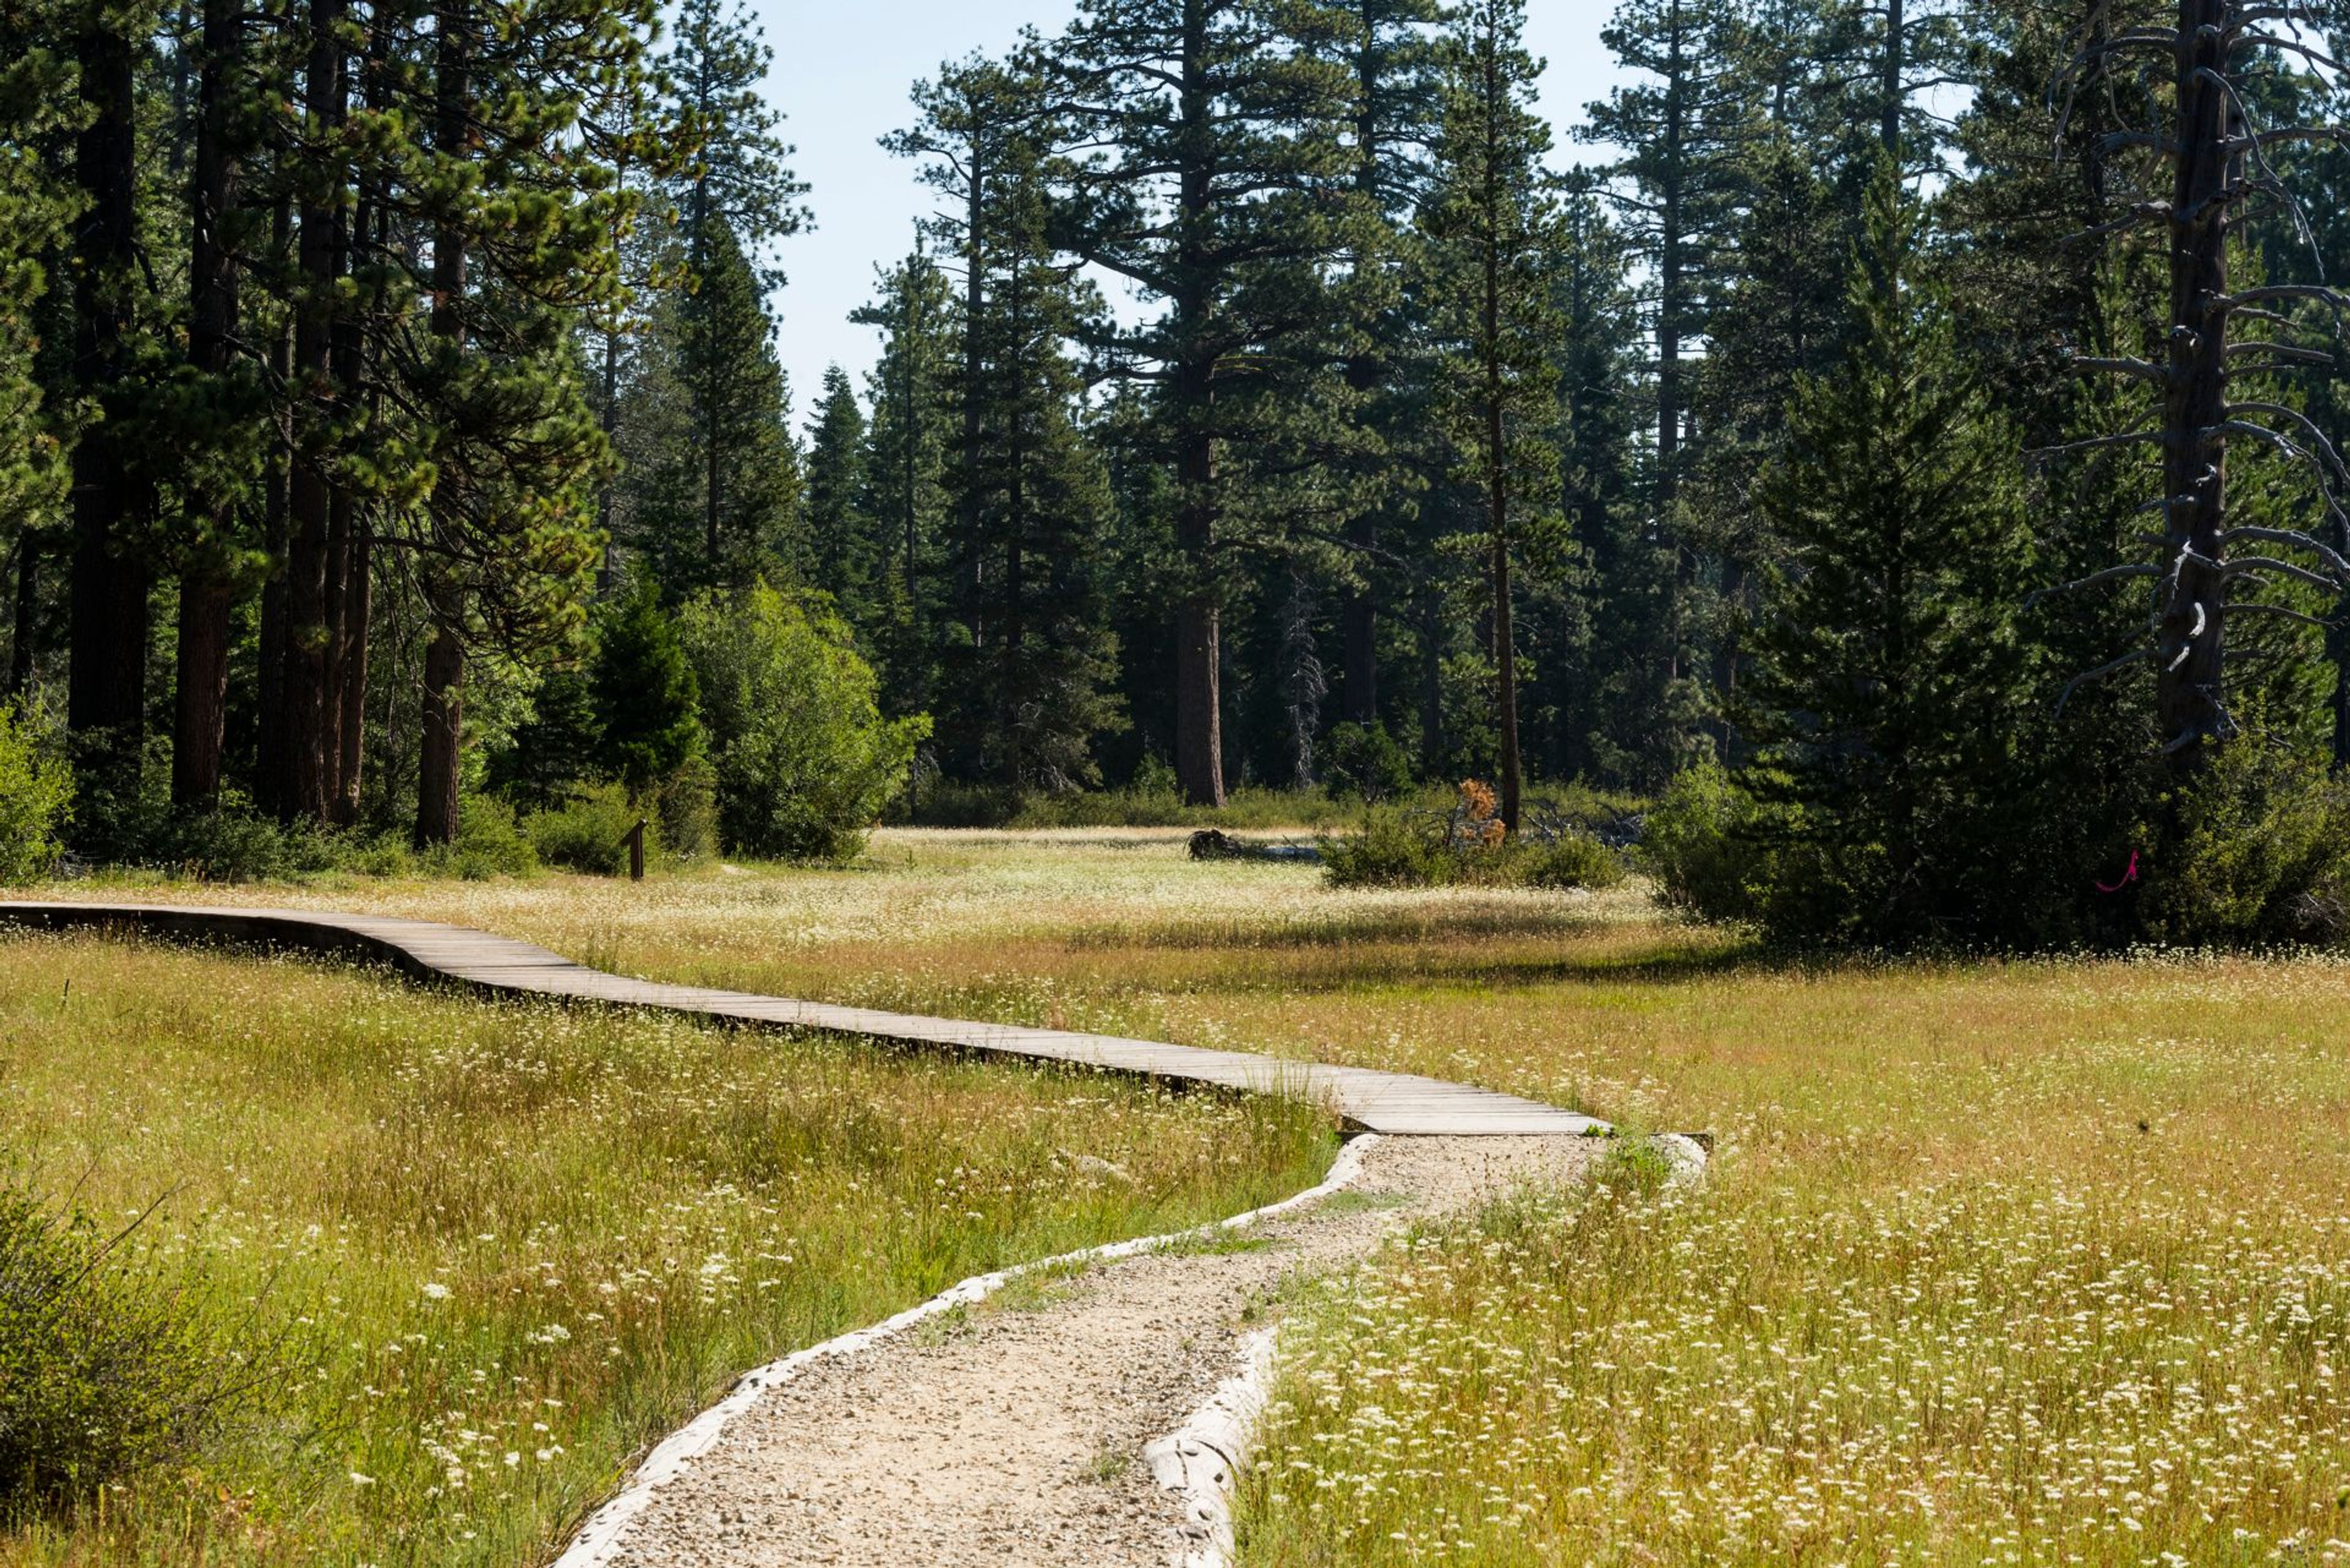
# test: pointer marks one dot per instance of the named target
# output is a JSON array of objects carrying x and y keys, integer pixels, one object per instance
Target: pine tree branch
[
  {"x": 2245, "y": 565},
  {"x": 2110, "y": 575},
  {"x": 2101, "y": 673}
]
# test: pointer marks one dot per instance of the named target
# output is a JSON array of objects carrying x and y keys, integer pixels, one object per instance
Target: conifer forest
[{"x": 1893, "y": 449}]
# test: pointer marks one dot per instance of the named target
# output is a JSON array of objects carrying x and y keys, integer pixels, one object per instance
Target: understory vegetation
[
  {"x": 1467, "y": 846},
  {"x": 460, "y": 1263}
]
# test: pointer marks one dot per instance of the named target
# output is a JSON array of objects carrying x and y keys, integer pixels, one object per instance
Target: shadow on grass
[
  {"x": 1493, "y": 946},
  {"x": 1354, "y": 928}
]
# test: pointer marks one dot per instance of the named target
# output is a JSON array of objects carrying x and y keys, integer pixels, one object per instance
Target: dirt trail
[{"x": 1010, "y": 1432}]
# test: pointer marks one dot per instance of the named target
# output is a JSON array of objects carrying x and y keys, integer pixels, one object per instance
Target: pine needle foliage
[{"x": 1889, "y": 675}]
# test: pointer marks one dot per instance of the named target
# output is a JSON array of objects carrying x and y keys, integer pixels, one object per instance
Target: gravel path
[{"x": 1010, "y": 1432}]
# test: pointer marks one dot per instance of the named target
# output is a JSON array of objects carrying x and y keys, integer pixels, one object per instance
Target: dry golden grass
[{"x": 1999, "y": 1261}]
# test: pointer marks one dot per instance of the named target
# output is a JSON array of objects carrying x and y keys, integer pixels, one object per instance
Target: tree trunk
[
  {"x": 443, "y": 748},
  {"x": 2189, "y": 656},
  {"x": 1432, "y": 679},
  {"x": 301, "y": 791},
  {"x": 1198, "y": 683},
  {"x": 269, "y": 684},
  {"x": 440, "y": 760},
  {"x": 1199, "y": 694},
  {"x": 341, "y": 520},
  {"x": 968, "y": 498},
  {"x": 1672, "y": 302},
  {"x": 1497, "y": 459},
  {"x": 1359, "y": 628},
  {"x": 1505, "y": 656},
  {"x": 712, "y": 477},
  {"x": 1015, "y": 630},
  {"x": 609, "y": 419},
  {"x": 199, "y": 729},
  {"x": 1358, "y": 636},
  {"x": 359, "y": 592},
  {"x": 1890, "y": 67},
  {"x": 206, "y": 594},
  {"x": 106, "y": 684}
]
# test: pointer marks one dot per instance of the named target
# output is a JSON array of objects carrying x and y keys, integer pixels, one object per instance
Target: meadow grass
[
  {"x": 1999, "y": 1261},
  {"x": 489, "y": 1253}
]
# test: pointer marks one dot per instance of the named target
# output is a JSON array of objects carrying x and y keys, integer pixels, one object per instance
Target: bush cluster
[
  {"x": 2253, "y": 850},
  {"x": 2258, "y": 851},
  {"x": 1466, "y": 845},
  {"x": 104, "y": 1368},
  {"x": 36, "y": 798}
]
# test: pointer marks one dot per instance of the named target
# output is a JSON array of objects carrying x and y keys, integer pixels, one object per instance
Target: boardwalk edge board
[{"x": 1365, "y": 1099}]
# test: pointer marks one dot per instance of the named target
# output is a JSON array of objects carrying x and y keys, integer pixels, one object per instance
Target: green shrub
[
  {"x": 489, "y": 843},
  {"x": 685, "y": 809},
  {"x": 1567, "y": 860},
  {"x": 2260, "y": 851},
  {"x": 36, "y": 798},
  {"x": 1464, "y": 847},
  {"x": 643, "y": 692},
  {"x": 1363, "y": 761},
  {"x": 1395, "y": 849},
  {"x": 805, "y": 759},
  {"x": 1701, "y": 841},
  {"x": 229, "y": 841},
  {"x": 589, "y": 833},
  {"x": 104, "y": 1369}
]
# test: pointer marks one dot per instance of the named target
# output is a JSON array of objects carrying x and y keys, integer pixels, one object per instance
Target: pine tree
[
  {"x": 1606, "y": 675},
  {"x": 1220, "y": 186},
  {"x": 1890, "y": 677},
  {"x": 35, "y": 112},
  {"x": 739, "y": 174},
  {"x": 839, "y": 533},
  {"x": 1028, "y": 677},
  {"x": 1493, "y": 219},
  {"x": 517, "y": 457},
  {"x": 736, "y": 198},
  {"x": 711, "y": 493},
  {"x": 1686, "y": 123},
  {"x": 1779, "y": 315},
  {"x": 642, "y": 692},
  {"x": 116, "y": 358},
  {"x": 217, "y": 412},
  {"x": 905, "y": 454},
  {"x": 1396, "y": 103}
]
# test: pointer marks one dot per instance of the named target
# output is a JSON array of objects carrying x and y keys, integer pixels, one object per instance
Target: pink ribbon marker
[{"x": 2128, "y": 876}]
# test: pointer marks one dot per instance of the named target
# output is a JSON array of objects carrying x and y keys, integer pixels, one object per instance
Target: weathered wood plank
[{"x": 1399, "y": 1103}]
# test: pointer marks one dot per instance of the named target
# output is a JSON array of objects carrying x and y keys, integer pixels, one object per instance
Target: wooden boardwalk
[{"x": 1398, "y": 1103}]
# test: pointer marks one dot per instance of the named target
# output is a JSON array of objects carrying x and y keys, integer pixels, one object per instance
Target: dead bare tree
[{"x": 2221, "y": 176}]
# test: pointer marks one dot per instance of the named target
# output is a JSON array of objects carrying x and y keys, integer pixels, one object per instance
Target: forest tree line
[{"x": 1925, "y": 413}]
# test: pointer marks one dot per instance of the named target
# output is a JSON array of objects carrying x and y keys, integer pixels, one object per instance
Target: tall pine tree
[
  {"x": 1890, "y": 683},
  {"x": 1493, "y": 219},
  {"x": 1220, "y": 186}
]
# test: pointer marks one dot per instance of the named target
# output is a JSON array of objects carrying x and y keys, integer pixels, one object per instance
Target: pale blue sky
[{"x": 842, "y": 68}]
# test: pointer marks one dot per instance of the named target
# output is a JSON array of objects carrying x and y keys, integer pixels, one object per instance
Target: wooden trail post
[{"x": 635, "y": 840}]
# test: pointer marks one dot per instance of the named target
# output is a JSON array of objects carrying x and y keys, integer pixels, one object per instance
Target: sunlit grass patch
[
  {"x": 1925, "y": 1174},
  {"x": 519, "y": 1243},
  {"x": 2025, "y": 1372}
]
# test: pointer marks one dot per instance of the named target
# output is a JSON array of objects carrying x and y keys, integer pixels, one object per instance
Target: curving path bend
[{"x": 1094, "y": 1421}]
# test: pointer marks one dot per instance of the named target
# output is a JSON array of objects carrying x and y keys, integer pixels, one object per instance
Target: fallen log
[{"x": 1213, "y": 844}]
